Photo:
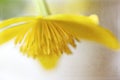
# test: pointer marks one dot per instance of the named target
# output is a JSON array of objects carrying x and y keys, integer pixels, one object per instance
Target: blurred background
[{"x": 89, "y": 61}]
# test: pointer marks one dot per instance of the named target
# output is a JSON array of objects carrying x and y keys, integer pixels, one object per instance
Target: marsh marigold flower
[{"x": 46, "y": 38}]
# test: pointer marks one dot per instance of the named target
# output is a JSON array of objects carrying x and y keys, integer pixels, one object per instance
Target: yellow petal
[
  {"x": 94, "y": 18},
  {"x": 48, "y": 61},
  {"x": 12, "y": 21},
  {"x": 85, "y": 28},
  {"x": 10, "y": 33}
]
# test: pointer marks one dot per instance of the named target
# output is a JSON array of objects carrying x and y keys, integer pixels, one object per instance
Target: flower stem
[{"x": 42, "y": 7}]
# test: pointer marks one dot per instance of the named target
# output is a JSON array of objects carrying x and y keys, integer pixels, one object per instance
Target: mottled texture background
[{"x": 89, "y": 61}]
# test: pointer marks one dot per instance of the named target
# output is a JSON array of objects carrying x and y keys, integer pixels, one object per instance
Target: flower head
[
  {"x": 46, "y": 38},
  {"x": 43, "y": 37}
]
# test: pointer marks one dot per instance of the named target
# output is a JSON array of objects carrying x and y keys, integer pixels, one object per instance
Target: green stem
[{"x": 42, "y": 7}]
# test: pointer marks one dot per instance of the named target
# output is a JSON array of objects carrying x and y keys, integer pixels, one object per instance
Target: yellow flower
[{"x": 46, "y": 38}]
